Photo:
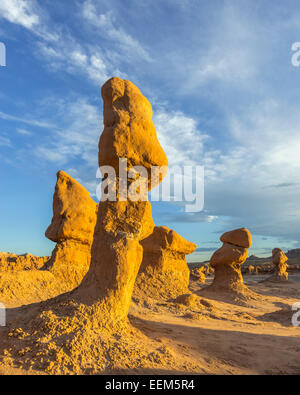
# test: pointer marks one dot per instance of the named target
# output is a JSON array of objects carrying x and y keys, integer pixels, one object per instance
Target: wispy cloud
[
  {"x": 180, "y": 136},
  {"x": 24, "y": 132},
  {"x": 105, "y": 25},
  {"x": 31, "y": 122},
  {"x": 5, "y": 141},
  {"x": 77, "y": 138}
]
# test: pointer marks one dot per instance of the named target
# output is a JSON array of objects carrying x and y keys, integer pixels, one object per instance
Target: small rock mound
[{"x": 188, "y": 300}]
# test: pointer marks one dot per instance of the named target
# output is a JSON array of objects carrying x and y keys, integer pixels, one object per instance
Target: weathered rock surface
[
  {"x": 129, "y": 131},
  {"x": 13, "y": 262},
  {"x": 227, "y": 263},
  {"x": 164, "y": 271},
  {"x": 72, "y": 228},
  {"x": 279, "y": 261},
  {"x": 239, "y": 237},
  {"x": 74, "y": 212},
  {"x": 116, "y": 253}
]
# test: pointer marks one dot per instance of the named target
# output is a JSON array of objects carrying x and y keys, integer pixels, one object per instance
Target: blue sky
[{"x": 224, "y": 92}]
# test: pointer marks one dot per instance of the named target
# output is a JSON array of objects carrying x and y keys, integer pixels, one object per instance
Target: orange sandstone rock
[
  {"x": 229, "y": 254},
  {"x": 239, "y": 237},
  {"x": 279, "y": 261},
  {"x": 13, "y": 262},
  {"x": 74, "y": 212},
  {"x": 129, "y": 131},
  {"x": 227, "y": 263},
  {"x": 164, "y": 271},
  {"x": 116, "y": 253},
  {"x": 72, "y": 227}
]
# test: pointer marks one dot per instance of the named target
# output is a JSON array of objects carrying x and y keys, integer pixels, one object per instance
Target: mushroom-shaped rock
[
  {"x": 227, "y": 262},
  {"x": 72, "y": 228},
  {"x": 129, "y": 131},
  {"x": 164, "y": 272},
  {"x": 279, "y": 261},
  {"x": 239, "y": 237}
]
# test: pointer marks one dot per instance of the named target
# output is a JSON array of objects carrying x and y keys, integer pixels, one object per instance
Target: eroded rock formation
[
  {"x": 164, "y": 271},
  {"x": 279, "y": 261},
  {"x": 116, "y": 253},
  {"x": 72, "y": 228},
  {"x": 228, "y": 259}
]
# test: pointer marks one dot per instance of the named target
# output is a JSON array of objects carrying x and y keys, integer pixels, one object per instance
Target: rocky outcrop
[
  {"x": 164, "y": 272},
  {"x": 199, "y": 274},
  {"x": 72, "y": 228},
  {"x": 279, "y": 261},
  {"x": 227, "y": 262},
  {"x": 13, "y": 262}
]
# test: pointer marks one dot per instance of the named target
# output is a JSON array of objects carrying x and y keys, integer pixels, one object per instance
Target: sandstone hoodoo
[
  {"x": 72, "y": 228},
  {"x": 227, "y": 262},
  {"x": 164, "y": 272},
  {"x": 116, "y": 253},
  {"x": 279, "y": 261}
]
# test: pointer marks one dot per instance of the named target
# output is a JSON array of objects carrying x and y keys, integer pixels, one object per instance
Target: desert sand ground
[{"x": 211, "y": 337}]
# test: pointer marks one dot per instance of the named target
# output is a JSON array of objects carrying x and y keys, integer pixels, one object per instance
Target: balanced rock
[
  {"x": 164, "y": 271},
  {"x": 279, "y": 261},
  {"x": 72, "y": 228},
  {"x": 228, "y": 259},
  {"x": 116, "y": 253}
]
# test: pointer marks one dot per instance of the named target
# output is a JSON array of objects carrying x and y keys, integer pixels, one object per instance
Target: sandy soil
[{"x": 212, "y": 337}]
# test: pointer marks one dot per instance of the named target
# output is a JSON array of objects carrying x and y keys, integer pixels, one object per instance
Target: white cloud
[
  {"x": 5, "y": 142},
  {"x": 20, "y": 12},
  {"x": 106, "y": 25},
  {"x": 32, "y": 122},
  {"x": 78, "y": 139},
  {"x": 179, "y": 136},
  {"x": 24, "y": 132},
  {"x": 68, "y": 56}
]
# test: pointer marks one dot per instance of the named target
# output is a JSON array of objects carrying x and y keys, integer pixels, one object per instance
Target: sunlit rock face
[
  {"x": 129, "y": 131},
  {"x": 227, "y": 260},
  {"x": 72, "y": 228},
  {"x": 279, "y": 260},
  {"x": 116, "y": 253},
  {"x": 164, "y": 272}
]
